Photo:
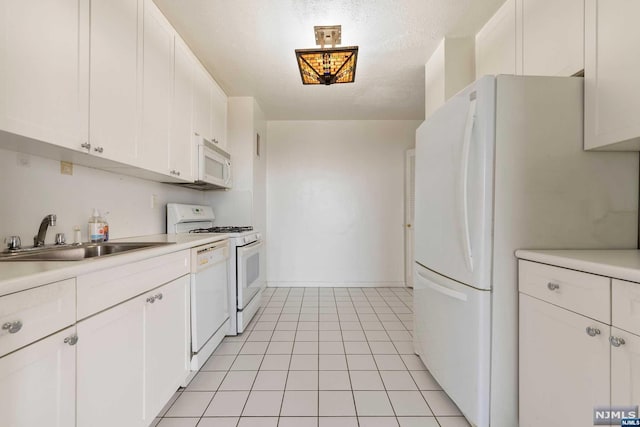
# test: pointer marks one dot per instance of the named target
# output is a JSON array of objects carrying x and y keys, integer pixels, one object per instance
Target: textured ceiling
[{"x": 248, "y": 46}]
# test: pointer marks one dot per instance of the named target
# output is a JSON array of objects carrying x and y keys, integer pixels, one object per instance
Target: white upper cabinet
[
  {"x": 496, "y": 43},
  {"x": 181, "y": 147},
  {"x": 115, "y": 38},
  {"x": 110, "y": 78},
  {"x": 612, "y": 104},
  {"x": 157, "y": 85},
  {"x": 552, "y": 35},
  {"x": 44, "y": 70},
  {"x": 219, "y": 120},
  {"x": 533, "y": 37},
  {"x": 202, "y": 101},
  {"x": 209, "y": 107}
]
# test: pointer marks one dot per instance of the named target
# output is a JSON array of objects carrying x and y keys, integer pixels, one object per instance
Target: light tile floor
[{"x": 318, "y": 357}]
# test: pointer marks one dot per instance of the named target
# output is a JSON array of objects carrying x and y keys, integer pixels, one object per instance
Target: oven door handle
[{"x": 249, "y": 248}]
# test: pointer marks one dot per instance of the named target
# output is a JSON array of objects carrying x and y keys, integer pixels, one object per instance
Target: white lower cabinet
[
  {"x": 133, "y": 357},
  {"x": 569, "y": 362},
  {"x": 166, "y": 343},
  {"x": 564, "y": 360},
  {"x": 625, "y": 368},
  {"x": 110, "y": 366},
  {"x": 38, "y": 383}
]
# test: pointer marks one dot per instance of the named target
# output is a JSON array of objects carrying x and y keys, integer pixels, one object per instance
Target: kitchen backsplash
[{"x": 32, "y": 187}]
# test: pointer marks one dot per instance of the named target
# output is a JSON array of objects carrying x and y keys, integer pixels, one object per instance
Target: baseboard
[{"x": 335, "y": 285}]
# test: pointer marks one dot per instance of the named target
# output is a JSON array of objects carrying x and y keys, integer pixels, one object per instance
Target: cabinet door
[
  {"x": 110, "y": 367},
  {"x": 219, "y": 120},
  {"x": 625, "y": 369},
  {"x": 44, "y": 70},
  {"x": 37, "y": 384},
  {"x": 612, "y": 104},
  {"x": 552, "y": 37},
  {"x": 202, "y": 107},
  {"x": 181, "y": 147},
  {"x": 496, "y": 43},
  {"x": 114, "y": 76},
  {"x": 564, "y": 371},
  {"x": 157, "y": 83},
  {"x": 166, "y": 340}
]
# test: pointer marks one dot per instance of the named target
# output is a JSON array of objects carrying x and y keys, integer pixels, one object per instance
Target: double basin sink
[{"x": 77, "y": 252}]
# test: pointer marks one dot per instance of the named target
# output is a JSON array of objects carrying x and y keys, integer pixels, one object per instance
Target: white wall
[
  {"x": 335, "y": 202},
  {"x": 245, "y": 203},
  {"x": 31, "y": 191}
]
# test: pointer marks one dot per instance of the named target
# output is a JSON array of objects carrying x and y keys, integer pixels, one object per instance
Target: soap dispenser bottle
[{"x": 96, "y": 227}]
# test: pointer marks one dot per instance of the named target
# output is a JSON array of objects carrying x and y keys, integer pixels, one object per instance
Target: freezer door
[
  {"x": 454, "y": 186},
  {"x": 452, "y": 337}
]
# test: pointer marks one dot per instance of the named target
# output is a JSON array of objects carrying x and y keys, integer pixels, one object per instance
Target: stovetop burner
[{"x": 225, "y": 229}]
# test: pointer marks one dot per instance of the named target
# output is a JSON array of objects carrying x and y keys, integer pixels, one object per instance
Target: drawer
[
  {"x": 583, "y": 293},
  {"x": 30, "y": 315},
  {"x": 625, "y": 304},
  {"x": 105, "y": 288}
]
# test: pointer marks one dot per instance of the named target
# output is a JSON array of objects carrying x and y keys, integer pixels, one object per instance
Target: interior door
[
  {"x": 454, "y": 187},
  {"x": 453, "y": 339},
  {"x": 409, "y": 213}
]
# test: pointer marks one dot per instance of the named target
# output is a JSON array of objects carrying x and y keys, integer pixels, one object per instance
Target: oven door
[
  {"x": 214, "y": 167},
  {"x": 249, "y": 268}
]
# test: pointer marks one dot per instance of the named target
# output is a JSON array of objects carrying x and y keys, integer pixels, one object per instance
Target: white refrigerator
[{"x": 499, "y": 167}]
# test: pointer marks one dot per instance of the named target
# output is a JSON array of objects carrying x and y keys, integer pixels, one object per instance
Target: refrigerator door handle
[
  {"x": 466, "y": 151},
  {"x": 442, "y": 289}
]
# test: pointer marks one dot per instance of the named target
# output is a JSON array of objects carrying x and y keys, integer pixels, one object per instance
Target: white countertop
[
  {"x": 621, "y": 264},
  {"x": 17, "y": 276}
]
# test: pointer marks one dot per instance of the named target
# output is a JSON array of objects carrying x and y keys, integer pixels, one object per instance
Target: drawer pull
[
  {"x": 159, "y": 296},
  {"x": 616, "y": 342},
  {"x": 553, "y": 286},
  {"x": 72, "y": 340},
  {"x": 151, "y": 300},
  {"x": 12, "y": 327},
  {"x": 592, "y": 332}
]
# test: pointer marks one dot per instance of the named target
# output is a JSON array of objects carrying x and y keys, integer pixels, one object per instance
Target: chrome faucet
[{"x": 49, "y": 220}]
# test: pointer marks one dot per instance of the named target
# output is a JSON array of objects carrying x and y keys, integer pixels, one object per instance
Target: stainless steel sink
[{"x": 77, "y": 253}]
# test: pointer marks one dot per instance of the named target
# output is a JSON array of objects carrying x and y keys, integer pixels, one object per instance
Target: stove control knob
[{"x": 258, "y": 236}]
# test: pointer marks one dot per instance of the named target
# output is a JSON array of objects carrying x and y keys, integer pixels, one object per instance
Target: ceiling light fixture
[{"x": 327, "y": 65}]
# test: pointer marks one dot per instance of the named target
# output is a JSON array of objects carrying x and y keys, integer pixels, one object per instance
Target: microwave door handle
[{"x": 227, "y": 172}]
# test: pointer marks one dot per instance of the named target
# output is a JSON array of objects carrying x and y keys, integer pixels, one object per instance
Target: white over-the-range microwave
[{"x": 212, "y": 166}]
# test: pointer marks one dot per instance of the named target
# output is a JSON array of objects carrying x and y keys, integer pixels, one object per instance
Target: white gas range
[{"x": 245, "y": 281}]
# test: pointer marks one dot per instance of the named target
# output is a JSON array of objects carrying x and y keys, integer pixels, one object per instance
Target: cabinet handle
[
  {"x": 616, "y": 342},
  {"x": 86, "y": 146},
  {"x": 98, "y": 149},
  {"x": 159, "y": 296},
  {"x": 72, "y": 340},
  {"x": 151, "y": 300},
  {"x": 592, "y": 332},
  {"x": 12, "y": 327},
  {"x": 553, "y": 286}
]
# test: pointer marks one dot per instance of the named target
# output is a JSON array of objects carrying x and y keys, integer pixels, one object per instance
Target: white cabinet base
[
  {"x": 564, "y": 372},
  {"x": 38, "y": 384}
]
